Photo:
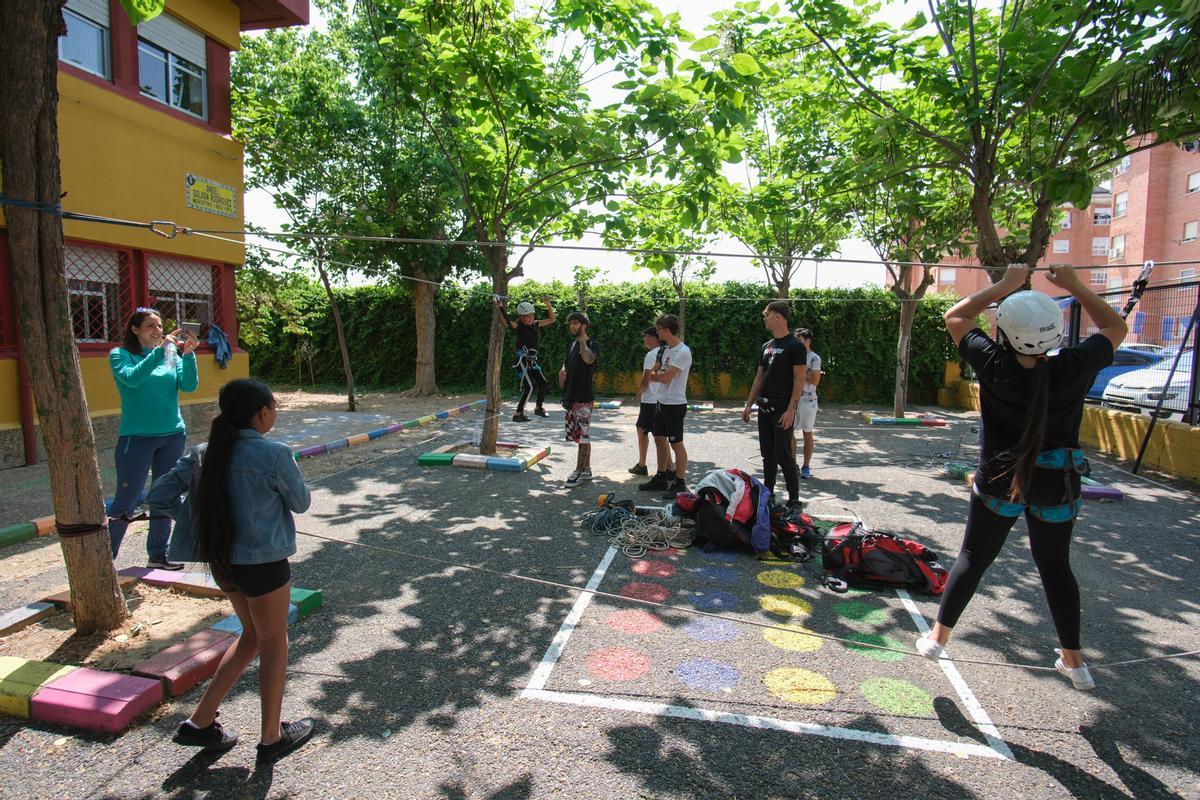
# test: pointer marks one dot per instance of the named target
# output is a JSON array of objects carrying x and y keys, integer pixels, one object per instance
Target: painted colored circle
[
  {"x": 653, "y": 569},
  {"x": 618, "y": 664},
  {"x": 715, "y": 601},
  {"x": 633, "y": 620},
  {"x": 880, "y": 640},
  {"x": 712, "y": 630},
  {"x": 898, "y": 697},
  {"x": 721, "y": 555},
  {"x": 797, "y": 685},
  {"x": 798, "y": 642},
  {"x": 654, "y": 592},
  {"x": 708, "y": 676},
  {"x": 785, "y": 605},
  {"x": 780, "y": 579},
  {"x": 719, "y": 574},
  {"x": 861, "y": 612}
]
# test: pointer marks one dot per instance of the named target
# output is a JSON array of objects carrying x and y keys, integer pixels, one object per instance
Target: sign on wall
[{"x": 210, "y": 196}]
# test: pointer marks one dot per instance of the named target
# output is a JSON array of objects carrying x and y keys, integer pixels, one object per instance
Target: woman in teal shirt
[{"x": 152, "y": 433}]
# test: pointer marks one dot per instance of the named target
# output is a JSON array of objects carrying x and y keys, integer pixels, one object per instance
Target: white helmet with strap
[
  {"x": 1031, "y": 321},
  {"x": 524, "y": 307}
]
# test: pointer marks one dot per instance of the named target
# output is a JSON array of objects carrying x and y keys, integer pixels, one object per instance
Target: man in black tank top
[{"x": 530, "y": 373}]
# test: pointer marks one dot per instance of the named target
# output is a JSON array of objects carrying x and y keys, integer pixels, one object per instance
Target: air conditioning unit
[{"x": 1190, "y": 147}]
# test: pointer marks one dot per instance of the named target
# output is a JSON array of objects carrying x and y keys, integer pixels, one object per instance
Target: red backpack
[{"x": 877, "y": 560}]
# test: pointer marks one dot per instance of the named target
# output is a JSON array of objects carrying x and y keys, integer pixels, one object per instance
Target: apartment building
[{"x": 144, "y": 134}]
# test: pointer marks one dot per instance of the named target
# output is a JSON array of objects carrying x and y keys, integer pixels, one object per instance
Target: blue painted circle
[
  {"x": 719, "y": 574},
  {"x": 708, "y": 676},
  {"x": 721, "y": 555},
  {"x": 715, "y": 601},
  {"x": 712, "y": 630}
]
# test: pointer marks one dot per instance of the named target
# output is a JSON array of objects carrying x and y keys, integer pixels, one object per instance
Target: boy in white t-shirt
[
  {"x": 806, "y": 409},
  {"x": 647, "y": 396},
  {"x": 672, "y": 377}
]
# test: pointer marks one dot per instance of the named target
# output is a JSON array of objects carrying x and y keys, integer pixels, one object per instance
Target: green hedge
[{"x": 855, "y": 332}]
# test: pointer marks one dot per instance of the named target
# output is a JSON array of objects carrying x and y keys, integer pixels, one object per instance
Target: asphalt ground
[{"x": 432, "y": 681}]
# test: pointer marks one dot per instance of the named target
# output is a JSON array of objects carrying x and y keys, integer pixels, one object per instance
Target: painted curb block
[
  {"x": 370, "y": 436},
  {"x": 181, "y": 666},
  {"x": 101, "y": 701},
  {"x": 472, "y": 460},
  {"x": 434, "y": 459},
  {"x": 358, "y": 438},
  {"x": 443, "y": 456},
  {"x": 700, "y": 406},
  {"x": 293, "y": 614},
  {"x": 309, "y": 452},
  {"x": 23, "y": 617},
  {"x": 1101, "y": 493},
  {"x": 503, "y": 464},
  {"x": 62, "y": 598},
  {"x": 913, "y": 422},
  {"x": 44, "y": 525},
  {"x": 307, "y": 601},
  {"x": 231, "y": 625},
  {"x": 17, "y": 533},
  {"x": 609, "y": 404},
  {"x": 536, "y": 457},
  {"x": 20, "y": 679},
  {"x": 199, "y": 584}
]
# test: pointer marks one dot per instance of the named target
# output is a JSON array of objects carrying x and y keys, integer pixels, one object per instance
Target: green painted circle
[
  {"x": 898, "y": 697},
  {"x": 880, "y": 640},
  {"x": 861, "y": 612}
]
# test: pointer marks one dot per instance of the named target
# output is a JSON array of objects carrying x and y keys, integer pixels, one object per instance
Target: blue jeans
[{"x": 138, "y": 456}]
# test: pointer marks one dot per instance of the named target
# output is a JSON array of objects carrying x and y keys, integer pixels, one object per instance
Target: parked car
[
  {"x": 1141, "y": 389},
  {"x": 1126, "y": 358},
  {"x": 1153, "y": 349}
]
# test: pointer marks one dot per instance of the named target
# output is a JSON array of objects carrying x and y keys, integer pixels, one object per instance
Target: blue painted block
[
  {"x": 230, "y": 624},
  {"x": 340, "y": 444},
  {"x": 375, "y": 434},
  {"x": 502, "y": 464},
  {"x": 442, "y": 415},
  {"x": 293, "y": 613}
]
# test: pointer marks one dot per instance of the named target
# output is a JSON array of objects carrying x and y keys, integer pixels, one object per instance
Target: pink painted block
[
  {"x": 135, "y": 572},
  {"x": 100, "y": 701},
  {"x": 160, "y": 577},
  {"x": 181, "y": 666}
]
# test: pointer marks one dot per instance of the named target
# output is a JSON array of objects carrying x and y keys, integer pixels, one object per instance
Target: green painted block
[
  {"x": 19, "y": 679},
  {"x": 307, "y": 600},
  {"x": 17, "y": 533},
  {"x": 434, "y": 459}
]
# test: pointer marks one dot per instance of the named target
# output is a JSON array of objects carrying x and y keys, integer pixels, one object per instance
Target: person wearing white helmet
[
  {"x": 528, "y": 369},
  {"x": 1031, "y": 406}
]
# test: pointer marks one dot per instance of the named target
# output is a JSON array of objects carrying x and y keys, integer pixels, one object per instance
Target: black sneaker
[
  {"x": 160, "y": 562},
  {"x": 796, "y": 504},
  {"x": 293, "y": 736},
  {"x": 659, "y": 481},
  {"x": 676, "y": 486},
  {"x": 541, "y": 412},
  {"x": 638, "y": 469},
  {"x": 520, "y": 417},
  {"x": 214, "y": 737}
]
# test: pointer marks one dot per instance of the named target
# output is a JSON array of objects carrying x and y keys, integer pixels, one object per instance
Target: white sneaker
[
  {"x": 1081, "y": 677},
  {"x": 929, "y": 648}
]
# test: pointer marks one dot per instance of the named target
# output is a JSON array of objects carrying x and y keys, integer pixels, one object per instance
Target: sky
[{"x": 547, "y": 265}]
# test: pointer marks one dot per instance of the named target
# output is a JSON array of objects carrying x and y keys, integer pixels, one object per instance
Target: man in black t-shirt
[
  {"x": 530, "y": 372},
  {"x": 575, "y": 378},
  {"x": 777, "y": 387}
]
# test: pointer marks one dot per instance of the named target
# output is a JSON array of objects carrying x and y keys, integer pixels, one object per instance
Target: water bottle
[{"x": 170, "y": 355}]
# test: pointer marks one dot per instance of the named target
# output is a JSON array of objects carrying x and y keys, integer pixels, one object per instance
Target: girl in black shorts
[{"x": 241, "y": 491}]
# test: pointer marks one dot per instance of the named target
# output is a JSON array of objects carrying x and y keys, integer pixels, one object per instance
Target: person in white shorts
[{"x": 806, "y": 409}]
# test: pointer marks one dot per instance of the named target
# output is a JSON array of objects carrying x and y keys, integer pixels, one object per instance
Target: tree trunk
[
  {"x": 425, "y": 313},
  {"x": 908, "y": 313},
  {"x": 341, "y": 333},
  {"x": 497, "y": 259},
  {"x": 29, "y": 160}
]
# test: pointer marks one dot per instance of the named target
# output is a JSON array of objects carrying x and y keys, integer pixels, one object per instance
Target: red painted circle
[
  {"x": 618, "y": 664},
  {"x": 654, "y": 592},
  {"x": 654, "y": 569},
  {"x": 634, "y": 620}
]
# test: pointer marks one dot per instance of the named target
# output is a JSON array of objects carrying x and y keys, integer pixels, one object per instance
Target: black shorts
[
  {"x": 646, "y": 415},
  {"x": 254, "y": 580},
  {"x": 668, "y": 422}
]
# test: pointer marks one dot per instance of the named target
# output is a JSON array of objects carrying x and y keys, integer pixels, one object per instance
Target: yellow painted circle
[
  {"x": 780, "y": 579},
  {"x": 797, "y": 642},
  {"x": 785, "y": 605},
  {"x": 797, "y": 685}
]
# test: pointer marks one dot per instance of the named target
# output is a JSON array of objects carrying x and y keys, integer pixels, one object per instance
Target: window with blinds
[
  {"x": 87, "y": 43},
  {"x": 94, "y": 290},
  {"x": 183, "y": 291},
  {"x": 172, "y": 65}
]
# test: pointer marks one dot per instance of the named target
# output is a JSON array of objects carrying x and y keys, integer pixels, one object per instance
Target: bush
[{"x": 855, "y": 333}]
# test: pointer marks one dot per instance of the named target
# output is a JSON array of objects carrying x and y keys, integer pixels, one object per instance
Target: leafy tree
[
  {"x": 30, "y": 165},
  {"x": 1027, "y": 100},
  {"x": 503, "y": 94}
]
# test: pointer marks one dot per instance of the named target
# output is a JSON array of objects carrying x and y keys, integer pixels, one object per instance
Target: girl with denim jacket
[
  {"x": 240, "y": 493},
  {"x": 1031, "y": 407}
]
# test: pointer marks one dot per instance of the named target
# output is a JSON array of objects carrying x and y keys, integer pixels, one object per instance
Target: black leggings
[
  {"x": 775, "y": 445},
  {"x": 536, "y": 380},
  {"x": 1048, "y": 541}
]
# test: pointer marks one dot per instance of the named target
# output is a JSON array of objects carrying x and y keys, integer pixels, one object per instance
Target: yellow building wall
[
  {"x": 101, "y": 390},
  {"x": 220, "y": 19}
]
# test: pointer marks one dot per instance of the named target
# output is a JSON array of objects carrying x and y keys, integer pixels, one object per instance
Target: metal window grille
[
  {"x": 99, "y": 299},
  {"x": 183, "y": 291}
]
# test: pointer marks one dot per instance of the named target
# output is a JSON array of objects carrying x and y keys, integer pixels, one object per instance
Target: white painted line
[
  {"x": 764, "y": 723},
  {"x": 542, "y": 673},
  {"x": 978, "y": 715}
]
